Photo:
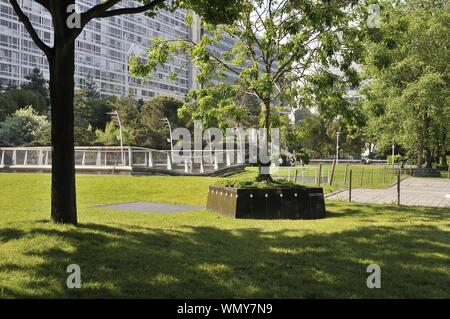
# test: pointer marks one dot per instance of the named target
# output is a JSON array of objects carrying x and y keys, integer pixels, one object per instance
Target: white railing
[{"x": 116, "y": 157}]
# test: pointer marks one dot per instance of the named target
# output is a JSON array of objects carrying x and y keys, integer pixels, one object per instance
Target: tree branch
[
  {"x": 43, "y": 3},
  {"x": 33, "y": 34},
  {"x": 97, "y": 10},
  {"x": 139, "y": 9}
]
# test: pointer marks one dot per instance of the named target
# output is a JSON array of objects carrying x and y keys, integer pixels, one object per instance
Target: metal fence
[{"x": 364, "y": 176}]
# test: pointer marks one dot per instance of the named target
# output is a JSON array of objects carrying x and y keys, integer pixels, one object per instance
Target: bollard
[
  {"x": 398, "y": 188},
  {"x": 371, "y": 177},
  {"x": 362, "y": 176},
  {"x": 350, "y": 187},
  {"x": 319, "y": 174},
  {"x": 346, "y": 172},
  {"x": 332, "y": 172}
]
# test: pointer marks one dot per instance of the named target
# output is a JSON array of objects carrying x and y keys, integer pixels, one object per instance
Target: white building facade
[{"x": 102, "y": 49}]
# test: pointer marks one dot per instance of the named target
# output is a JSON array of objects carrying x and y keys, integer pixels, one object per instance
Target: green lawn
[{"x": 201, "y": 254}]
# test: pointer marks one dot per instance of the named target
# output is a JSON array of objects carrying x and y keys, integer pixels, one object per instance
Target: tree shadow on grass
[
  {"x": 7, "y": 234},
  {"x": 202, "y": 262}
]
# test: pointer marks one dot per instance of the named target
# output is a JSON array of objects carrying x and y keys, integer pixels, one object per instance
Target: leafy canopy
[{"x": 278, "y": 47}]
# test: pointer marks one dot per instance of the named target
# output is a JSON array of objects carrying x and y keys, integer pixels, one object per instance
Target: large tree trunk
[
  {"x": 422, "y": 129},
  {"x": 428, "y": 158},
  {"x": 63, "y": 162},
  {"x": 443, "y": 149},
  {"x": 264, "y": 174}
]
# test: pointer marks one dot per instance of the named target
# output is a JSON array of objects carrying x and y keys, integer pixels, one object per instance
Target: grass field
[{"x": 201, "y": 254}]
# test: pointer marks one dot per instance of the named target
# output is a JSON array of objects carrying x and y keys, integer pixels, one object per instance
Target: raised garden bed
[
  {"x": 425, "y": 172},
  {"x": 293, "y": 202}
]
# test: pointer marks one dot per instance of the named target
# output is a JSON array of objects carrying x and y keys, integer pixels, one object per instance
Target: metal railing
[
  {"x": 116, "y": 157},
  {"x": 364, "y": 176}
]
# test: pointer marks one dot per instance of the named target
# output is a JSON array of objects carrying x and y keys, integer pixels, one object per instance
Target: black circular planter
[{"x": 272, "y": 203}]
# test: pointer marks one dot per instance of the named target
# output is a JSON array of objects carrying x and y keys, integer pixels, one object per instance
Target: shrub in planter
[{"x": 266, "y": 200}]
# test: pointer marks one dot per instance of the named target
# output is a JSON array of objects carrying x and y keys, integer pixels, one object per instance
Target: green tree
[
  {"x": 90, "y": 87},
  {"x": 251, "y": 105},
  {"x": 11, "y": 86},
  {"x": 273, "y": 47},
  {"x": 7, "y": 106},
  {"x": 99, "y": 112},
  {"x": 84, "y": 134},
  {"x": 110, "y": 136},
  {"x": 67, "y": 26},
  {"x": 37, "y": 83},
  {"x": 153, "y": 131},
  {"x": 23, "y": 127},
  {"x": 214, "y": 106},
  {"x": 407, "y": 61},
  {"x": 127, "y": 108},
  {"x": 310, "y": 135},
  {"x": 19, "y": 98},
  {"x": 278, "y": 45}
]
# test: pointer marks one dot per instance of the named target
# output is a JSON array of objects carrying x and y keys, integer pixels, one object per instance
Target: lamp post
[
  {"x": 166, "y": 121},
  {"x": 114, "y": 113}
]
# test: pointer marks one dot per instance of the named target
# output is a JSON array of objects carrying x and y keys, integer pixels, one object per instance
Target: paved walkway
[{"x": 413, "y": 192}]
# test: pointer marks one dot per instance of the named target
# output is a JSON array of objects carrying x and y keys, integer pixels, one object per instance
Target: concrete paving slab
[{"x": 151, "y": 207}]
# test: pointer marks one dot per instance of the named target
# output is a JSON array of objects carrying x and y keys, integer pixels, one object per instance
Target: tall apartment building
[{"x": 102, "y": 49}]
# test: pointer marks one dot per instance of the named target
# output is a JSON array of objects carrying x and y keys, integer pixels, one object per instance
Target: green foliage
[
  {"x": 255, "y": 183},
  {"x": 127, "y": 108},
  {"x": 142, "y": 123},
  {"x": 214, "y": 11},
  {"x": 99, "y": 110},
  {"x": 214, "y": 106},
  {"x": 37, "y": 83},
  {"x": 10, "y": 86},
  {"x": 310, "y": 135},
  {"x": 24, "y": 127},
  {"x": 13, "y": 100},
  {"x": 7, "y": 106},
  {"x": 316, "y": 136},
  {"x": 110, "y": 136},
  {"x": 90, "y": 88},
  {"x": 408, "y": 99},
  {"x": 272, "y": 52},
  {"x": 83, "y": 131},
  {"x": 303, "y": 156},
  {"x": 397, "y": 159},
  {"x": 251, "y": 104},
  {"x": 153, "y": 131}
]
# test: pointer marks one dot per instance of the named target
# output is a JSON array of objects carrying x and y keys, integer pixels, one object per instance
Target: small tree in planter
[
  {"x": 268, "y": 199},
  {"x": 278, "y": 45}
]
